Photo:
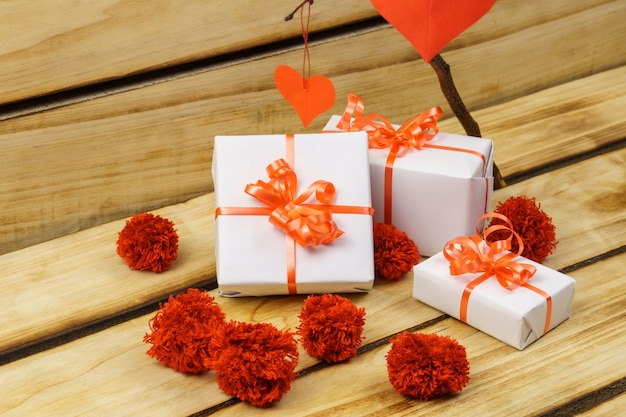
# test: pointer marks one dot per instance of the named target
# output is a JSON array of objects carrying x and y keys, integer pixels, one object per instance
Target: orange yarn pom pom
[
  {"x": 330, "y": 327},
  {"x": 394, "y": 252},
  {"x": 148, "y": 243},
  {"x": 254, "y": 362},
  {"x": 532, "y": 224},
  {"x": 182, "y": 329},
  {"x": 425, "y": 366}
]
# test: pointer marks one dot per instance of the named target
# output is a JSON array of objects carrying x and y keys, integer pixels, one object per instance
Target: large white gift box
[
  {"x": 255, "y": 258},
  {"x": 435, "y": 192},
  {"x": 517, "y": 317}
]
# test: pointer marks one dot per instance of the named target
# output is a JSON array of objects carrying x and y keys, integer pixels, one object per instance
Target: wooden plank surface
[
  {"x": 66, "y": 261},
  {"x": 46, "y": 263},
  {"x": 545, "y": 80},
  {"x": 123, "y": 142},
  {"x": 79, "y": 279},
  {"x": 539, "y": 129},
  {"x": 51, "y": 47},
  {"x": 596, "y": 326}
]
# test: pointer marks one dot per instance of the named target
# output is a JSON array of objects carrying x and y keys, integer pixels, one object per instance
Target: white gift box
[
  {"x": 252, "y": 255},
  {"x": 437, "y": 194},
  {"x": 516, "y": 317}
]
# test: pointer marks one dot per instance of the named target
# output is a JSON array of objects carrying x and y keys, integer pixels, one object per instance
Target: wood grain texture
[
  {"x": 554, "y": 124},
  {"x": 52, "y": 47},
  {"x": 79, "y": 279},
  {"x": 129, "y": 381},
  {"x": 152, "y": 147},
  {"x": 390, "y": 310},
  {"x": 94, "y": 260},
  {"x": 545, "y": 80}
]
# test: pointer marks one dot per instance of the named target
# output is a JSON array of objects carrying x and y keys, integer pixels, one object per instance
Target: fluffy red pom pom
[
  {"x": 330, "y": 327},
  {"x": 148, "y": 243},
  {"x": 394, "y": 252},
  {"x": 532, "y": 224},
  {"x": 182, "y": 329},
  {"x": 425, "y": 366},
  {"x": 254, "y": 362}
]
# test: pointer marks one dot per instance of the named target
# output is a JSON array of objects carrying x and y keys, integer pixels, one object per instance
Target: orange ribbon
[
  {"x": 475, "y": 254},
  {"x": 413, "y": 134},
  {"x": 307, "y": 224}
]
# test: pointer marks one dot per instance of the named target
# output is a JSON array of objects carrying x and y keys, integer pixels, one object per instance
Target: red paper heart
[
  {"x": 310, "y": 98},
  {"x": 431, "y": 24}
]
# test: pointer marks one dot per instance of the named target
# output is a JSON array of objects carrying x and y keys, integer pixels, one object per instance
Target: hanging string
[{"x": 306, "y": 61}]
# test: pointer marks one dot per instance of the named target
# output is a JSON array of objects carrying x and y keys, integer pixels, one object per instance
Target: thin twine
[{"x": 306, "y": 61}]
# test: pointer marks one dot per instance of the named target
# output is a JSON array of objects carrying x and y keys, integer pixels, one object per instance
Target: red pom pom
[
  {"x": 425, "y": 366},
  {"x": 330, "y": 327},
  {"x": 532, "y": 224},
  {"x": 394, "y": 252},
  {"x": 254, "y": 362},
  {"x": 182, "y": 330},
  {"x": 148, "y": 243}
]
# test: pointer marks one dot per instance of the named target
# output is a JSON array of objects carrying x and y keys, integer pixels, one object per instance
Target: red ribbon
[
  {"x": 475, "y": 254},
  {"x": 413, "y": 134}
]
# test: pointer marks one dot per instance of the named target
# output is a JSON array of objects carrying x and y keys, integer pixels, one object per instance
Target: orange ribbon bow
[
  {"x": 307, "y": 225},
  {"x": 413, "y": 134},
  {"x": 475, "y": 254}
]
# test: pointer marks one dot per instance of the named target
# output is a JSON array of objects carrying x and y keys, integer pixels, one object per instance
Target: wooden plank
[
  {"x": 52, "y": 47},
  {"x": 554, "y": 124},
  {"x": 55, "y": 46},
  {"x": 165, "y": 131},
  {"x": 581, "y": 354},
  {"x": 578, "y": 202},
  {"x": 79, "y": 279},
  {"x": 389, "y": 306},
  {"x": 606, "y": 175}
]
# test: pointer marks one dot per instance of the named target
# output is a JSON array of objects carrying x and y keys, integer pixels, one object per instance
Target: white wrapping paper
[
  {"x": 437, "y": 194},
  {"x": 251, "y": 253},
  {"x": 515, "y": 317}
]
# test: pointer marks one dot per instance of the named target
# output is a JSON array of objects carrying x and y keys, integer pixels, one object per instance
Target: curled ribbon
[
  {"x": 413, "y": 134},
  {"x": 475, "y": 254},
  {"x": 307, "y": 225}
]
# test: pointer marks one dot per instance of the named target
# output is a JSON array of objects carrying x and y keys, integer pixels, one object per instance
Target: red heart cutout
[
  {"x": 310, "y": 98},
  {"x": 431, "y": 24}
]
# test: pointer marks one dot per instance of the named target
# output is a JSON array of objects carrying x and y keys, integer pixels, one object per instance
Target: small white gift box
[
  {"x": 517, "y": 316},
  {"x": 255, "y": 258}
]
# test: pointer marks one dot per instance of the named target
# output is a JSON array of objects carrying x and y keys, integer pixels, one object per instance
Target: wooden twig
[
  {"x": 292, "y": 14},
  {"x": 442, "y": 69}
]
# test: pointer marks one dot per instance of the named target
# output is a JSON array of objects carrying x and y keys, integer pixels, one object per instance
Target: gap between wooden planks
[{"x": 114, "y": 359}]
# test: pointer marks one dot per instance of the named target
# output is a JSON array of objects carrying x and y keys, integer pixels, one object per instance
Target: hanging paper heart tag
[
  {"x": 431, "y": 24},
  {"x": 309, "y": 97}
]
